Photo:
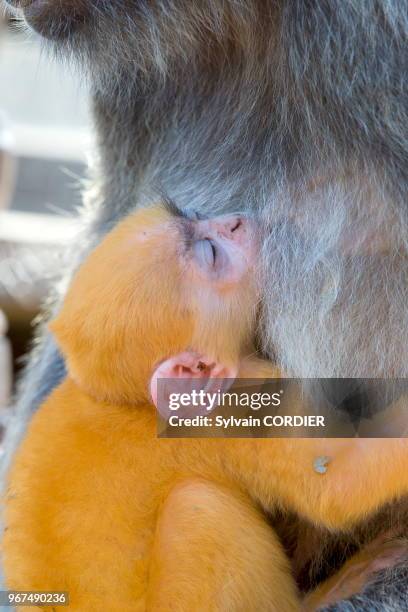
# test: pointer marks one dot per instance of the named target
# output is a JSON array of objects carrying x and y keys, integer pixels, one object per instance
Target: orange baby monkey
[{"x": 101, "y": 508}]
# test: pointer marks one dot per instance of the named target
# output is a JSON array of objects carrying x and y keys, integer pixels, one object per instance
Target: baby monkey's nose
[
  {"x": 236, "y": 228},
  {"x": 232, "y": 227}
]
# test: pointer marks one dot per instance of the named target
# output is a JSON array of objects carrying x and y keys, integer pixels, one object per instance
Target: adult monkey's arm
[{"x": 293, "y": 109}]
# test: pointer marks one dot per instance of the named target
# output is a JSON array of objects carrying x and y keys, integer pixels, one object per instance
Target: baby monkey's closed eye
[{"x": 205, "y": 252}]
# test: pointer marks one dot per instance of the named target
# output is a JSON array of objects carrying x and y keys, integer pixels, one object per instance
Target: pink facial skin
[{"x": 224, "y": 248}]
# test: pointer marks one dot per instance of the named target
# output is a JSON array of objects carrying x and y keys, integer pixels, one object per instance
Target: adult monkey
[{"x": 296, "y": 110}]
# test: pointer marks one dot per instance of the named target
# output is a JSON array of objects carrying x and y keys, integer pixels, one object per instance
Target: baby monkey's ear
[{"x": 192, "y": 365}]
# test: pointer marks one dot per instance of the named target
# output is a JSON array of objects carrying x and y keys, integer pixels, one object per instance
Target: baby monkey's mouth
[{"x": 51, "y": 19}]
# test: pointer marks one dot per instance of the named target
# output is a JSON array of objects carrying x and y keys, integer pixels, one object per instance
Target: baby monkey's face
[
  {"x": 160, "y": 289},
  {"x": 206, "y": 266}
]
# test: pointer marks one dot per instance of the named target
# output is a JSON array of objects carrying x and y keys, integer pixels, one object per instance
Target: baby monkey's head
[{"x": 161, "y": 296}]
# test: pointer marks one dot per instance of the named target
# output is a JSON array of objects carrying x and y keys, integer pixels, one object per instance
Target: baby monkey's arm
[{"x": 214, "y": 551}]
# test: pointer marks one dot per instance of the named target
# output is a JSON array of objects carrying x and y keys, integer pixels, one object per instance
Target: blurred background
[{"x": 44, "y": 136}]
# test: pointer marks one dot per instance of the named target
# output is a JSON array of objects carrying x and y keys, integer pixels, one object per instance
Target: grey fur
[
  {"x": 295, "y": 110},
  {"x": 388, "y": 593}
]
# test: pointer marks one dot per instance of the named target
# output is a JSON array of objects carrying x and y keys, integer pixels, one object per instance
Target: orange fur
[{"x": 99, "y": 507}]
